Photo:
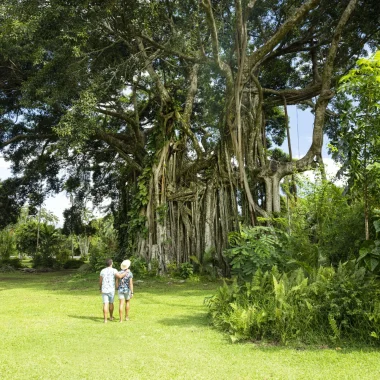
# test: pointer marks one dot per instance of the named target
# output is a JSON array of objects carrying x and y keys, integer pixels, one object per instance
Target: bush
[
  {"x": 15, "y": 263},
  {"x": 85, "y": 268},
  {"x": 138, "y": 267},
  {"x": 73, "y": 264},
  {"x": 40, "y": 261},
  {"x": 186, "y": 270},
  {"x": 254, "y": 248},
  {"x": 6, "y": 268},
  {"x": 330, "y": 306}
]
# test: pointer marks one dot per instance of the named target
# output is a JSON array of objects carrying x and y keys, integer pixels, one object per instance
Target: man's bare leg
[
  {"x": 105, "y": 312},
  {"x": 111, "y": 311},
  {"x": 121, "y": 307}
]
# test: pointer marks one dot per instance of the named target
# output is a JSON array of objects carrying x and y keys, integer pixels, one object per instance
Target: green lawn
[{"x": 51, "y": 328}]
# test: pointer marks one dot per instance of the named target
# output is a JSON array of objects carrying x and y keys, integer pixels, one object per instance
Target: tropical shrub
[
  {"x": 186, "y": 270},
  {"x": 138, "y": 266},
  {"x": 42, "y": 261},
  {"x": 254, "y": 248},
  {"x": 370, "y": 252},
  {"x": 330, "y": 306},
  {"x": 325, "y": 227}
]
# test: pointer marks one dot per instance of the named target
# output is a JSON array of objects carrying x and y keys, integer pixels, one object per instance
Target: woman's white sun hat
[{"x": 125, "y": 264}]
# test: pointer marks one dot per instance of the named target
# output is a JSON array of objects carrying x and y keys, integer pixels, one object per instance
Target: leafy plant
[
  {"x": 255, "y": 248},
  {"x": 186, "y": 270},
  {"x": 370, "y": 252},
  {"x": 328, "y": 306}
]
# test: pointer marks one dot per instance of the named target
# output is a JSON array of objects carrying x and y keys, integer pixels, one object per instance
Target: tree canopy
[{"x": 171, "y": 109}]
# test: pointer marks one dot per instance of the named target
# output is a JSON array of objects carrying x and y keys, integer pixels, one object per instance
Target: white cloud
[
  {"x": 57, "y": 204},
  {"x": 3, "y": 164},
  {"x": 331, "y": 168}
]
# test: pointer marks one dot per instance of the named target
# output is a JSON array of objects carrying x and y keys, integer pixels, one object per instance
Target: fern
[{"x": 334, "y": 327}]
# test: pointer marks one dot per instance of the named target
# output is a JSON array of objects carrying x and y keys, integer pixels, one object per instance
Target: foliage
[
  {"x": 42, "y": 262},
  {"x": 186, "y": 270},
  {"x": 206, "y": 266},
  {"x": 254, "y": 248},
  {"x": 26, "y": 238},
  {"x": 85, "y": 268},
  {"x": 330, "y": 306},
  {"x": 7, "y": 243},
  {"x": 138, "y": 266},
  {"x": 43, "y": 242},
  {"x": 324, "y": 225},
  {"x": 10, "y": 202},
  {"x": 98, "y": 256},
  {"x": 10, "y": 264},
  {"x": 370, "y": 251},
  {"x": 138, "y": 107},
  {"x": 358, "y": 145},
  {"x": 73, "y": 264},
  {"x": 104, "y": 244}
]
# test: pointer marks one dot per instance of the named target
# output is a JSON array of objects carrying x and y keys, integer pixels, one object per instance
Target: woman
[{"x": 125, "y": 289}]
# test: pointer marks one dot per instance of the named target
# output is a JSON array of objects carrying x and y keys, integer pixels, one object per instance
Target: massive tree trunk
[{"x": 191, "y": 211}]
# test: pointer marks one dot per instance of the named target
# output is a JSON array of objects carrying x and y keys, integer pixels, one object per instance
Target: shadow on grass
[
  {"x": 194, "y": 320},
  {"x": 95, "y": 319}
]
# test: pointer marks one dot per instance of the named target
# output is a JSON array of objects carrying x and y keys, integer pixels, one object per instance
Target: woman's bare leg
[
  {"x": 121, "y": 307},
  {"x": 127, "y": 305}
]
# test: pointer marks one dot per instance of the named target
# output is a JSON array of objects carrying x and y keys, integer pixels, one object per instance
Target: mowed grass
[{"x": 51, "y": 328}]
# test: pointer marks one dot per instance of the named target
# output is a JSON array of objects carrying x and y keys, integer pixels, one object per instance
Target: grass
[{"x": 51, "y": 328}]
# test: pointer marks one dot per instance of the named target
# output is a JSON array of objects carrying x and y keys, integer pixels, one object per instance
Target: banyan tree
[{"x": 172, "y": 110}]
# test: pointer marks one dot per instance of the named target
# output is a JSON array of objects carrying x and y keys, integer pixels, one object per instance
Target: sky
[
  {"x": 301, "y": 132},
  {"x": 56, "y": 204},
  {"x": 301, "y": 126}
]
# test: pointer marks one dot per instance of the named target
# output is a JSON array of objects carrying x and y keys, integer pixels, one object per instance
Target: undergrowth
[{"x": 327, "y": 306}]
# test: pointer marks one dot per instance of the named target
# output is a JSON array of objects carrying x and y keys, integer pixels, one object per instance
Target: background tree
[
  {"x": 358, "y": 146},
  {"x": 7, "y": 243}
]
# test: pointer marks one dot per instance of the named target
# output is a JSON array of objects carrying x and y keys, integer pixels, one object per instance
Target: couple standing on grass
[{"x": 124, "y": 284}]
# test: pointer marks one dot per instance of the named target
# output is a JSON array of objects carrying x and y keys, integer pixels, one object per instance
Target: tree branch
[
  {"x": 165, "y": 97},
  {"x": 223, "y": 67},
  {"x": 189, "y": 108},
  {"x": 294, "y": 96},
  {"x": 119, "y": 146},
  {"x": 119, "y": 115},
  {"x": 286, "y": 27},
  {"x": 25, "y": 137},
  {"x": 171, "y": 50}
]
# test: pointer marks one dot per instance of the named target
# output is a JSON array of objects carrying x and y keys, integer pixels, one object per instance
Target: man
[{"x": 107, "y": 288}]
